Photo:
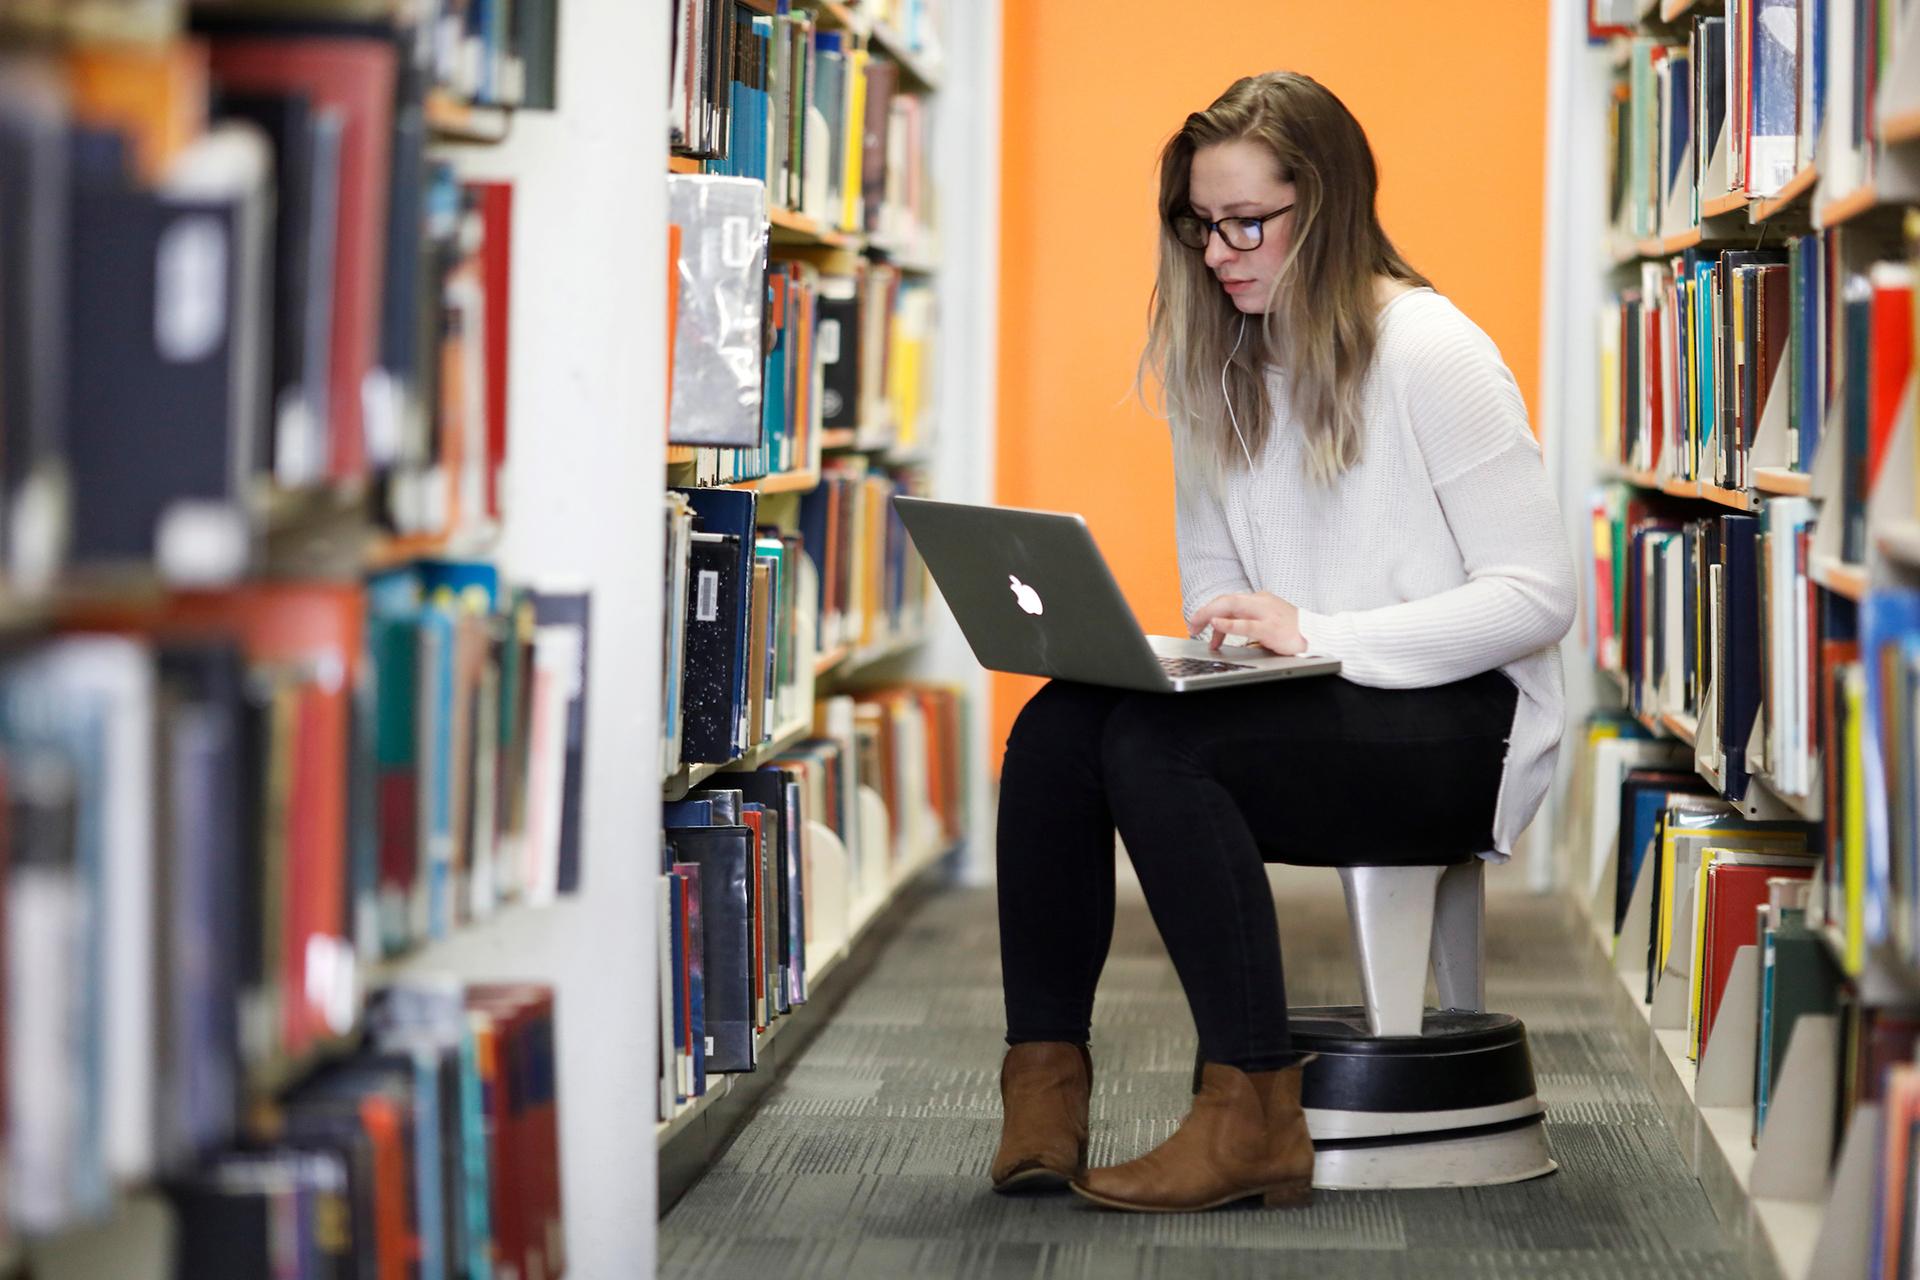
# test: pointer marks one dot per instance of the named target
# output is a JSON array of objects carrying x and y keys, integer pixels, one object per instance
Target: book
[
  {"x": 727, "y": 877},
  {"x": 355, "y": 76}
]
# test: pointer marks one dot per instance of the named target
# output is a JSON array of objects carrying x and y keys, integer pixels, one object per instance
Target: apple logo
[{"x": 1029, "y": 598}]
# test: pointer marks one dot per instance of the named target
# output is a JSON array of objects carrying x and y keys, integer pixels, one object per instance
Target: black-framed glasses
[{"x": 1243, "y": 234}]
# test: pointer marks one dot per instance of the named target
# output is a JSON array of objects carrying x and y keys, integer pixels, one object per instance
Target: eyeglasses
[{"x": 1243, "y": 234}]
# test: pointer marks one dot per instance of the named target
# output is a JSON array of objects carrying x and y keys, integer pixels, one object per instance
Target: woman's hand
[{"x": 1261, "y": 617}]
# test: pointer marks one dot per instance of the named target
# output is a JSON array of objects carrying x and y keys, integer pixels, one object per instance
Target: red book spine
[
  {"x": 496, "y": 274},
  {"x": 1891, "y": 350}
]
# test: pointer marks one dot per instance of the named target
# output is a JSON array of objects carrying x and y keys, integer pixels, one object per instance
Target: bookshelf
[
  {"x": 578, "y": 360},
  {"x": 1826, "y": 471},
  {"x": 912, "y": 852}
]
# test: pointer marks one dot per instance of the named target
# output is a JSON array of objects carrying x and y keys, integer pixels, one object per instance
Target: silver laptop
[{"x": 1034, "y": 596}]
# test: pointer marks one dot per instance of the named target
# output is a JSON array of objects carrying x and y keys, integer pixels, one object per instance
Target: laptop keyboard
[{"x": 1180, "y": 667}]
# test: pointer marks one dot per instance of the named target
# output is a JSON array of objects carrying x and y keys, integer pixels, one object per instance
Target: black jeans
[{"x": 1203, "y": 789}]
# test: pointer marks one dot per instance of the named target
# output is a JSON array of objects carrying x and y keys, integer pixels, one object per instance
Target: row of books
[
  {"x": 811, "y": 113},
  {"x": 768, "y": 353},
  {"x": 431, "y": 1151},
  {"x": 1714, "y": 349},
  {"x": 1716, "y": 620},
  {"x": 1735, "y": 104},
  {"x": 501, "y": 53},
  {"x": 219, "y": 807},
  {"x": 474, "y": 52},
  {"x": 738, "y": 642},
  {"x": 1691, "y": 358},
  {"x": 1710, "y": 883},
  {"x": 873, "y": 584},
  {"x": 764, "y": 872},
  {"x": 331, "y": 306}
]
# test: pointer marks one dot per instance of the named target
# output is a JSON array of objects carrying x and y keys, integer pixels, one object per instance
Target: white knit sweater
[{"x": 1438, "y": 557}]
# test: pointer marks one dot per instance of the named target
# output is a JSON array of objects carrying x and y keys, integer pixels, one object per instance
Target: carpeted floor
[{"x": 869, "y": 1158}]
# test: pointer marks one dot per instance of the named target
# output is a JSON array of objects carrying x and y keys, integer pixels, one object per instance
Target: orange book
[
  {"x": 155, "y": 95},
  {"x": 394, "y": 1245},
  {"x": 673, "y": 301}
]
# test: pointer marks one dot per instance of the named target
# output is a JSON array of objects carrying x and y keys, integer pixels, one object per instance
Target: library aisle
[{"x": 868, "y": 1158}]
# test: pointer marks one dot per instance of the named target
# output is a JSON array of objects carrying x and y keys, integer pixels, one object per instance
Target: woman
[{"x": 1354, "y": 477}]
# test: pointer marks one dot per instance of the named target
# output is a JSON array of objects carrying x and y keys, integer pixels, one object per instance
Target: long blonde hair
[{"x": 1320, "y": 322}]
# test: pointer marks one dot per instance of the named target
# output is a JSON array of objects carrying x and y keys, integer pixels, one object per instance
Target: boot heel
[{"x": 1289, "y": 1195}]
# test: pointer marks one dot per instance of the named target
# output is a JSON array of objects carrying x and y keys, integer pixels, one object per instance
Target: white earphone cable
[{"x": 1226, "y": 395}]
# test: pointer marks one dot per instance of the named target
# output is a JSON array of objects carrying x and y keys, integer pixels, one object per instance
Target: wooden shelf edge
[
  {"x": 1719, "y": 206},
  {"x": 1683, "y": 727},
  {"x": 1900, "y": 543},
  {"x": 809, "y": 231},
  {"x": 453, "y": 121},
  {"x": 1902, "y": 126},
  {"x": 1797, "y": 186},
  {"x": 1849, "y": 206},
  {"x": 1849, "y": 580},
  {"x": 1781, "y": 480}
]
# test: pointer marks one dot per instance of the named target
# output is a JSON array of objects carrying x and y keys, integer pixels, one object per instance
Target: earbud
[{"x": 1226, "y": 395}]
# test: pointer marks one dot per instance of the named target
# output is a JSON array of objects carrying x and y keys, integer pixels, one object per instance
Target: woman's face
[{"x": 1237, "y": 180}]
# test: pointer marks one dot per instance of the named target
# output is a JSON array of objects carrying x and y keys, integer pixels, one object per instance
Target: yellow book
[
  {"x": 851, "y": 205},
  {"x": 1722, "y": 835}
]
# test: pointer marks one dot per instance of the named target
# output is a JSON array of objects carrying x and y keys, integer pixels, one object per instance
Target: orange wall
[{"x": 1454, "y": 101}]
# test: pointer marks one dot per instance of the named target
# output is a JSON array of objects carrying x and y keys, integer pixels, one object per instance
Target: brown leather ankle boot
[
  {"x": 1044, "y": 1086},
  {"x": 1245, "y": 1136}
]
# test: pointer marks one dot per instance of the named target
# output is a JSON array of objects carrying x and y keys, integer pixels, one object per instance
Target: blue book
[
  {"x": 438, "y": 631},
  {"x": 476, "y": 1179},
  {"x": 696, "y": 812},
  {"x": 428, "y": 1161},
  {"x": 1889, "y": 621}
]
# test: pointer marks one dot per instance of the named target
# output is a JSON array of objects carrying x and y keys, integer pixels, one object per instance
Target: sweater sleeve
[
  {"x": 1209, "y": 565},
  {"x": 1470, "y": 423}
]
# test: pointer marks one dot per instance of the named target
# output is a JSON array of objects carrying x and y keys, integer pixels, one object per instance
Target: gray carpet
[{"x": 869, "y": 1158}]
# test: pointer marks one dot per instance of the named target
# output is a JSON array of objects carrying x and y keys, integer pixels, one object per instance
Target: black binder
[
  {"x": 1740, "y": 638},
  {"x": 725, "y": 856},
  {"x": 709, "y": 704}
]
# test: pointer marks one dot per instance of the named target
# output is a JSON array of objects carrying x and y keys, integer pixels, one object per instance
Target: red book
[
  {"x": 1891, "y": 350},
  {"x": 1650, "y": 384},
  {"x": 353, "y": 76},
  {"x": 505, "y": 1172},
  {"x": 758, "y": 874},
  {"x": 496, "y": 279},
  {"x": 522, "y": 1014},
  {"x": 1734, "y": 894}
]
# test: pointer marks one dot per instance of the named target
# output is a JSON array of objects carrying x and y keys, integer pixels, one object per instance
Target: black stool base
[{"x": 1453, "y": 1106}]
